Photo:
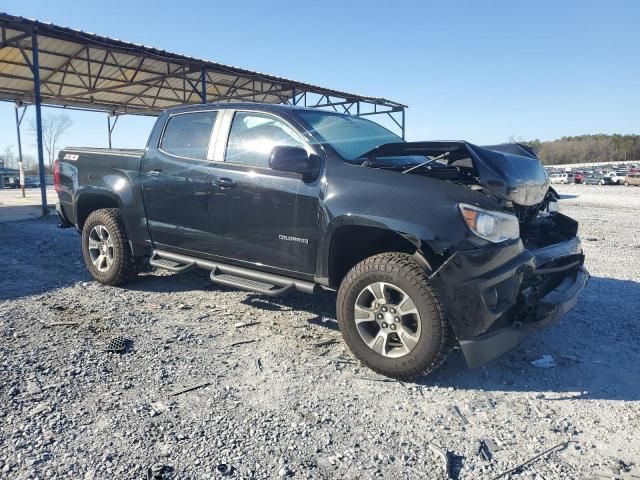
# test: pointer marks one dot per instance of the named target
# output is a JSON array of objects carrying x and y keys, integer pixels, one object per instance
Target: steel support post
[
  {"x": 38, "y": 100},
  {"x": 203, "y": 80},
  {"x": 20, "y": 164}
]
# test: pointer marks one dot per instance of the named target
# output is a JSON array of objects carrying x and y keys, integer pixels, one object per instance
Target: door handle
[
  {"x": 155, "y": 172},
  {"x": 224, "y": 182}
]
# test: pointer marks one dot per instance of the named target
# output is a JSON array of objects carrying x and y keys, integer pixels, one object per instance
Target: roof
[{"x": 85, "y": 70}]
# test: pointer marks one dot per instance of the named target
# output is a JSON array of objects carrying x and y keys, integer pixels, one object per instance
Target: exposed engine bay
[{"x": 510, "y": 173}]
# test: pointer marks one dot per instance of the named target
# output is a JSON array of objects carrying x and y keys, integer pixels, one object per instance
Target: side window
[
  {"x": 187, "y": 134},
  {"x": 253, "y": 136}
]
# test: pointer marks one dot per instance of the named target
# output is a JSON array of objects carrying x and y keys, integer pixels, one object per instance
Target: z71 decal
[{"x": 70, "y": 156}]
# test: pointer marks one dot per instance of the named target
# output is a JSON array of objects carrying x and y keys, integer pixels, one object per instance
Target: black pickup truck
[{"x": 429, "y": 245}]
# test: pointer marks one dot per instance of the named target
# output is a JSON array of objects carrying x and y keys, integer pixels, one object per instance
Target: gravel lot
[{"x": 290, "y": 404}]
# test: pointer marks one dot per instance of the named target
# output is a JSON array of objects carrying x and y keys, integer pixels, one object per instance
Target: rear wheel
[
  {"x": 105, "y": 248},
  {"x": 391, "y": 318},
  {"x": 626, "y": 184}
]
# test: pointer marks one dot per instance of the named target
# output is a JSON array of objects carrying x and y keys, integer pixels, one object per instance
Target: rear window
[{"x": 187, "y": 135}]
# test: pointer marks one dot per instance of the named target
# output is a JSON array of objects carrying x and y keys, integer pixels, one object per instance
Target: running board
[
  {"x": 232, "y": 276},
  {"x": 177, "y": 267}
]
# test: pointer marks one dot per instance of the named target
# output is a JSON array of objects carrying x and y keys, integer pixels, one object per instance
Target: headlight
[{"x": 493, "y": 226}]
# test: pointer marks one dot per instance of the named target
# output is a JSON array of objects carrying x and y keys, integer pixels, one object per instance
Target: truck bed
[
  {"x": 104, "y": 151},
  {"x": 90, "y": 172}
]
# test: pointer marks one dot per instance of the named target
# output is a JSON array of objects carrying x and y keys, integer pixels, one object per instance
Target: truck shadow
[{"x": 596, "y": 347}]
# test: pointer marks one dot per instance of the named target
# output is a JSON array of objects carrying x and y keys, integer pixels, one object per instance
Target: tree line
[
  {"x": 53, "y": 128},
  {"x": 587, "y": 149}
]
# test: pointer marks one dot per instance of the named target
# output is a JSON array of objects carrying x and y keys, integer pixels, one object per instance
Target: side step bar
[{"x": 232, "y": 276}]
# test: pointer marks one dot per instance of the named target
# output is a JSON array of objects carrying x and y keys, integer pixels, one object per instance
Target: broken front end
[
  {"x": 526, "y": 269},
  {"x": 495, "y": 296}
]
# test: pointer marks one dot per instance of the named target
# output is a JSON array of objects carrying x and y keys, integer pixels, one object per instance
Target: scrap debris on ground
[{"x": 218, "y": 383}]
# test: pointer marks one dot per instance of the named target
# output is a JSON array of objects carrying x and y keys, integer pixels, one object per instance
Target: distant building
[{"x": 9, "y": 177}]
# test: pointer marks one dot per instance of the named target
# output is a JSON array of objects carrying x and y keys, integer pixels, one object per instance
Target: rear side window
[
  {"x": 187, "y": 135},
  {"x": 253, "y": 136}
]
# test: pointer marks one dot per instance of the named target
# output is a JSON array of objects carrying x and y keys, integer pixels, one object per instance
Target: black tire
[
  {"x": 626, "y": 184},
  {"x": 401, "y": 270},
  {"x": 124, "y": 266}
]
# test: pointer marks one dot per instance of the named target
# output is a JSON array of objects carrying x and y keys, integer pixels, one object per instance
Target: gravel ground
[{"x": 292, "y": 403}]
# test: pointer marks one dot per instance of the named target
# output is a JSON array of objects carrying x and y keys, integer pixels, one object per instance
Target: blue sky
[{"x": 482, "y": 71}]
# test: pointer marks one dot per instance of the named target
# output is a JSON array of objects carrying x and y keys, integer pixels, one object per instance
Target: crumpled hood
[{"x": 511, "y": 171}]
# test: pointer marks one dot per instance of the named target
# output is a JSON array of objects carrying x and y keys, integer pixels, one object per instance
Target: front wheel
[
  {"x": 105, "y": 248},
  {"x": 391, "y": 318},
  {"x": 626, "y": 184}
]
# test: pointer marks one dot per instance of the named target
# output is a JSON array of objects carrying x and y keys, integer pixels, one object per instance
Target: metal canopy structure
[
  {"x": 84, "y": 70},
  {"x": 46, "y": 64}
]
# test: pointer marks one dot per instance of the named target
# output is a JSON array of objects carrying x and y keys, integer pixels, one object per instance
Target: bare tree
[
  {"x": 53, "y": 127},
  {"x": 8, "y": 158}
]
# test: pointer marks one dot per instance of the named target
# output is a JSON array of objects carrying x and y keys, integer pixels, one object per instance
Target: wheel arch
[
  {"x": 89, "y": 201},
  {"x": 350, "y": 244}
]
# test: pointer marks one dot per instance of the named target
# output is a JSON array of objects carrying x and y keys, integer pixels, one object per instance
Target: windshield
[{"x": 350, "y": 136}]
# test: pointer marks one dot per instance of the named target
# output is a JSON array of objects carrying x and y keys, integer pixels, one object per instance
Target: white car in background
[
  {"x": 613, "y": 178},
  {"x": 559, "y": 178}
]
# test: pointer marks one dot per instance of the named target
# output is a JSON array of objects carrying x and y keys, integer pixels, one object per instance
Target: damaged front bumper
[{"x": 494, "y": 297}]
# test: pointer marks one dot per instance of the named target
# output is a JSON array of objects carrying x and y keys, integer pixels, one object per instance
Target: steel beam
[
  {"x": 111, "y": 127},
  {"x": 20, "y": 164},
  {"x": 38, "y": 101},
  {"x": 203, "y": 80}
]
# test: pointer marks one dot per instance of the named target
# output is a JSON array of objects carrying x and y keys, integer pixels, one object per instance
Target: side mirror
[{"x": 294, "y": 160}]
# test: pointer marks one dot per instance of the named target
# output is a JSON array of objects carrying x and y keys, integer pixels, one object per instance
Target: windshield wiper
[{"x": 428, "y": 162}]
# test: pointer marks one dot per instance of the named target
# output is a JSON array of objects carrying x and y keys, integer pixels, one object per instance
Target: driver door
[{"x": 262, "y": 217}]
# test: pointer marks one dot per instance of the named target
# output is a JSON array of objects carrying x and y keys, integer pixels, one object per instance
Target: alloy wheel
[
  {"x": 387, "y": 319},
  {"x": 101, "y": 250}
]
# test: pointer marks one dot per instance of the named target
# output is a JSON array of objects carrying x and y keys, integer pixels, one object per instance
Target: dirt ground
[{"x": 276, "y": 394}]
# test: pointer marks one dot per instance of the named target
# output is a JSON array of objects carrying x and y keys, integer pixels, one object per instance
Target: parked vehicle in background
[
  {"x": 559, "y": 178},
  {"x": 594, "y": 179},
  {"x": 11, "y": 182},
  {"x": 429, "y": 245},
  {"x": 30, "y": 182},
  {"x": 632, "y": 179},
  {"x": 612, "y": 178},
  {"x": 578, "y": 177}
]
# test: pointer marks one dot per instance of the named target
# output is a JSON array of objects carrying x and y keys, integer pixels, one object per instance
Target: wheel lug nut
[
  {"x": 397, "y": 319},
  {"x": 384, "y": 325},
  {"x": 384, "y": 309},
  {"x": 393, "y": 310},
  {"x": 393, "y": 327},
  {"x": 380, "y": 316}
]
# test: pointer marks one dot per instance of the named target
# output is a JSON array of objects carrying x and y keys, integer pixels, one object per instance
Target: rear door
[
  {"x": 176, "y": 183},
  {"x": 261, "y": 217}
]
